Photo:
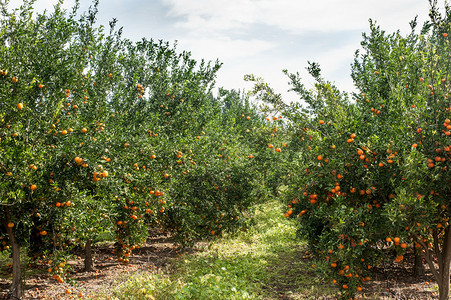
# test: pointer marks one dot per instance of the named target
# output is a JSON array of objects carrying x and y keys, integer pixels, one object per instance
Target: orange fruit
[
  {"x": 19, "y": 105},
  {"x": 10, "y": 224},
  {"x": 33, "y": 187}
]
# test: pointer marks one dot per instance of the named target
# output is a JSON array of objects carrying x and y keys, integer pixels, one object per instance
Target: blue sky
[{"x": 260, "y": 37}]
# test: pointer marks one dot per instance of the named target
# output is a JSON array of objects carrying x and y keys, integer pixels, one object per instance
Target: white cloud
[
  {"x": 209, "y": 16},
  {"x": 224, "y": 48}
]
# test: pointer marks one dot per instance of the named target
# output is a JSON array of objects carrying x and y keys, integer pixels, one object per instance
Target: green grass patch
[{"x": 264, "y": 263}]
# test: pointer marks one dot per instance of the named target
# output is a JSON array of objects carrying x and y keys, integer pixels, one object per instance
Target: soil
[
  {"x": 395, "y": 281},
  {"x": 153, "y": 256}
]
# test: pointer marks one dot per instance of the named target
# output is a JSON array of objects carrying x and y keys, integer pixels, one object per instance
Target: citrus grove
[{"x": 101, "y": 136}]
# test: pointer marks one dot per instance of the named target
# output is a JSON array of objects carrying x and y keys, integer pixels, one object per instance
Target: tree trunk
[
  {"x": 443, "y": 288},
  {"x": 16, "y": 286},
  {"x": 443, "y": 284},
  {"x": 418, "y": 268},
  {"x": 88, "y": 257}
]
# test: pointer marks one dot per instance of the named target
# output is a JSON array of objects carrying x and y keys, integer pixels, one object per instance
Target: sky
[{"x": 260, "y": 37}]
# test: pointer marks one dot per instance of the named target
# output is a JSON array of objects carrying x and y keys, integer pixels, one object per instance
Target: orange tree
[
  {"x": 371, "y": 177},
  {"x": 40, "y": 68}
]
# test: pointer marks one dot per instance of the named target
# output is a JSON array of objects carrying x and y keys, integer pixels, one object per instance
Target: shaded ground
[
  {"x": 292, "y": 276},
  {"x": 152, "y": 257}
]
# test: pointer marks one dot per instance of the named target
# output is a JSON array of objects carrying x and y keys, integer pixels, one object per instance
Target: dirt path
[{"x": 292, "y": 276}]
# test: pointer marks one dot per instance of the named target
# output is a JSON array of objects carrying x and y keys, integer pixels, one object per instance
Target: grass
[{"x": 267, "y": 262}]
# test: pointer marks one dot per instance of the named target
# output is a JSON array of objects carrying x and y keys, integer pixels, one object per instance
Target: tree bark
[
  {"x": 418, "y": 268},
  {"x": 89, "y": 265},
  {"x": 16, "y": 286},
  {"x": 443, "y": 284}
]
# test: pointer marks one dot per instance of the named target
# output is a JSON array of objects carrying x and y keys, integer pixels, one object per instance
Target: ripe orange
[
  {"x": 33, "y": 187},
  {"x": 321, "y": 122},
  {"x": 19, "y": 105},
  {"x": 319, "y": 157},
  {"x": 78, "y": 160},
  {"x": 10, "y": 224}
]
